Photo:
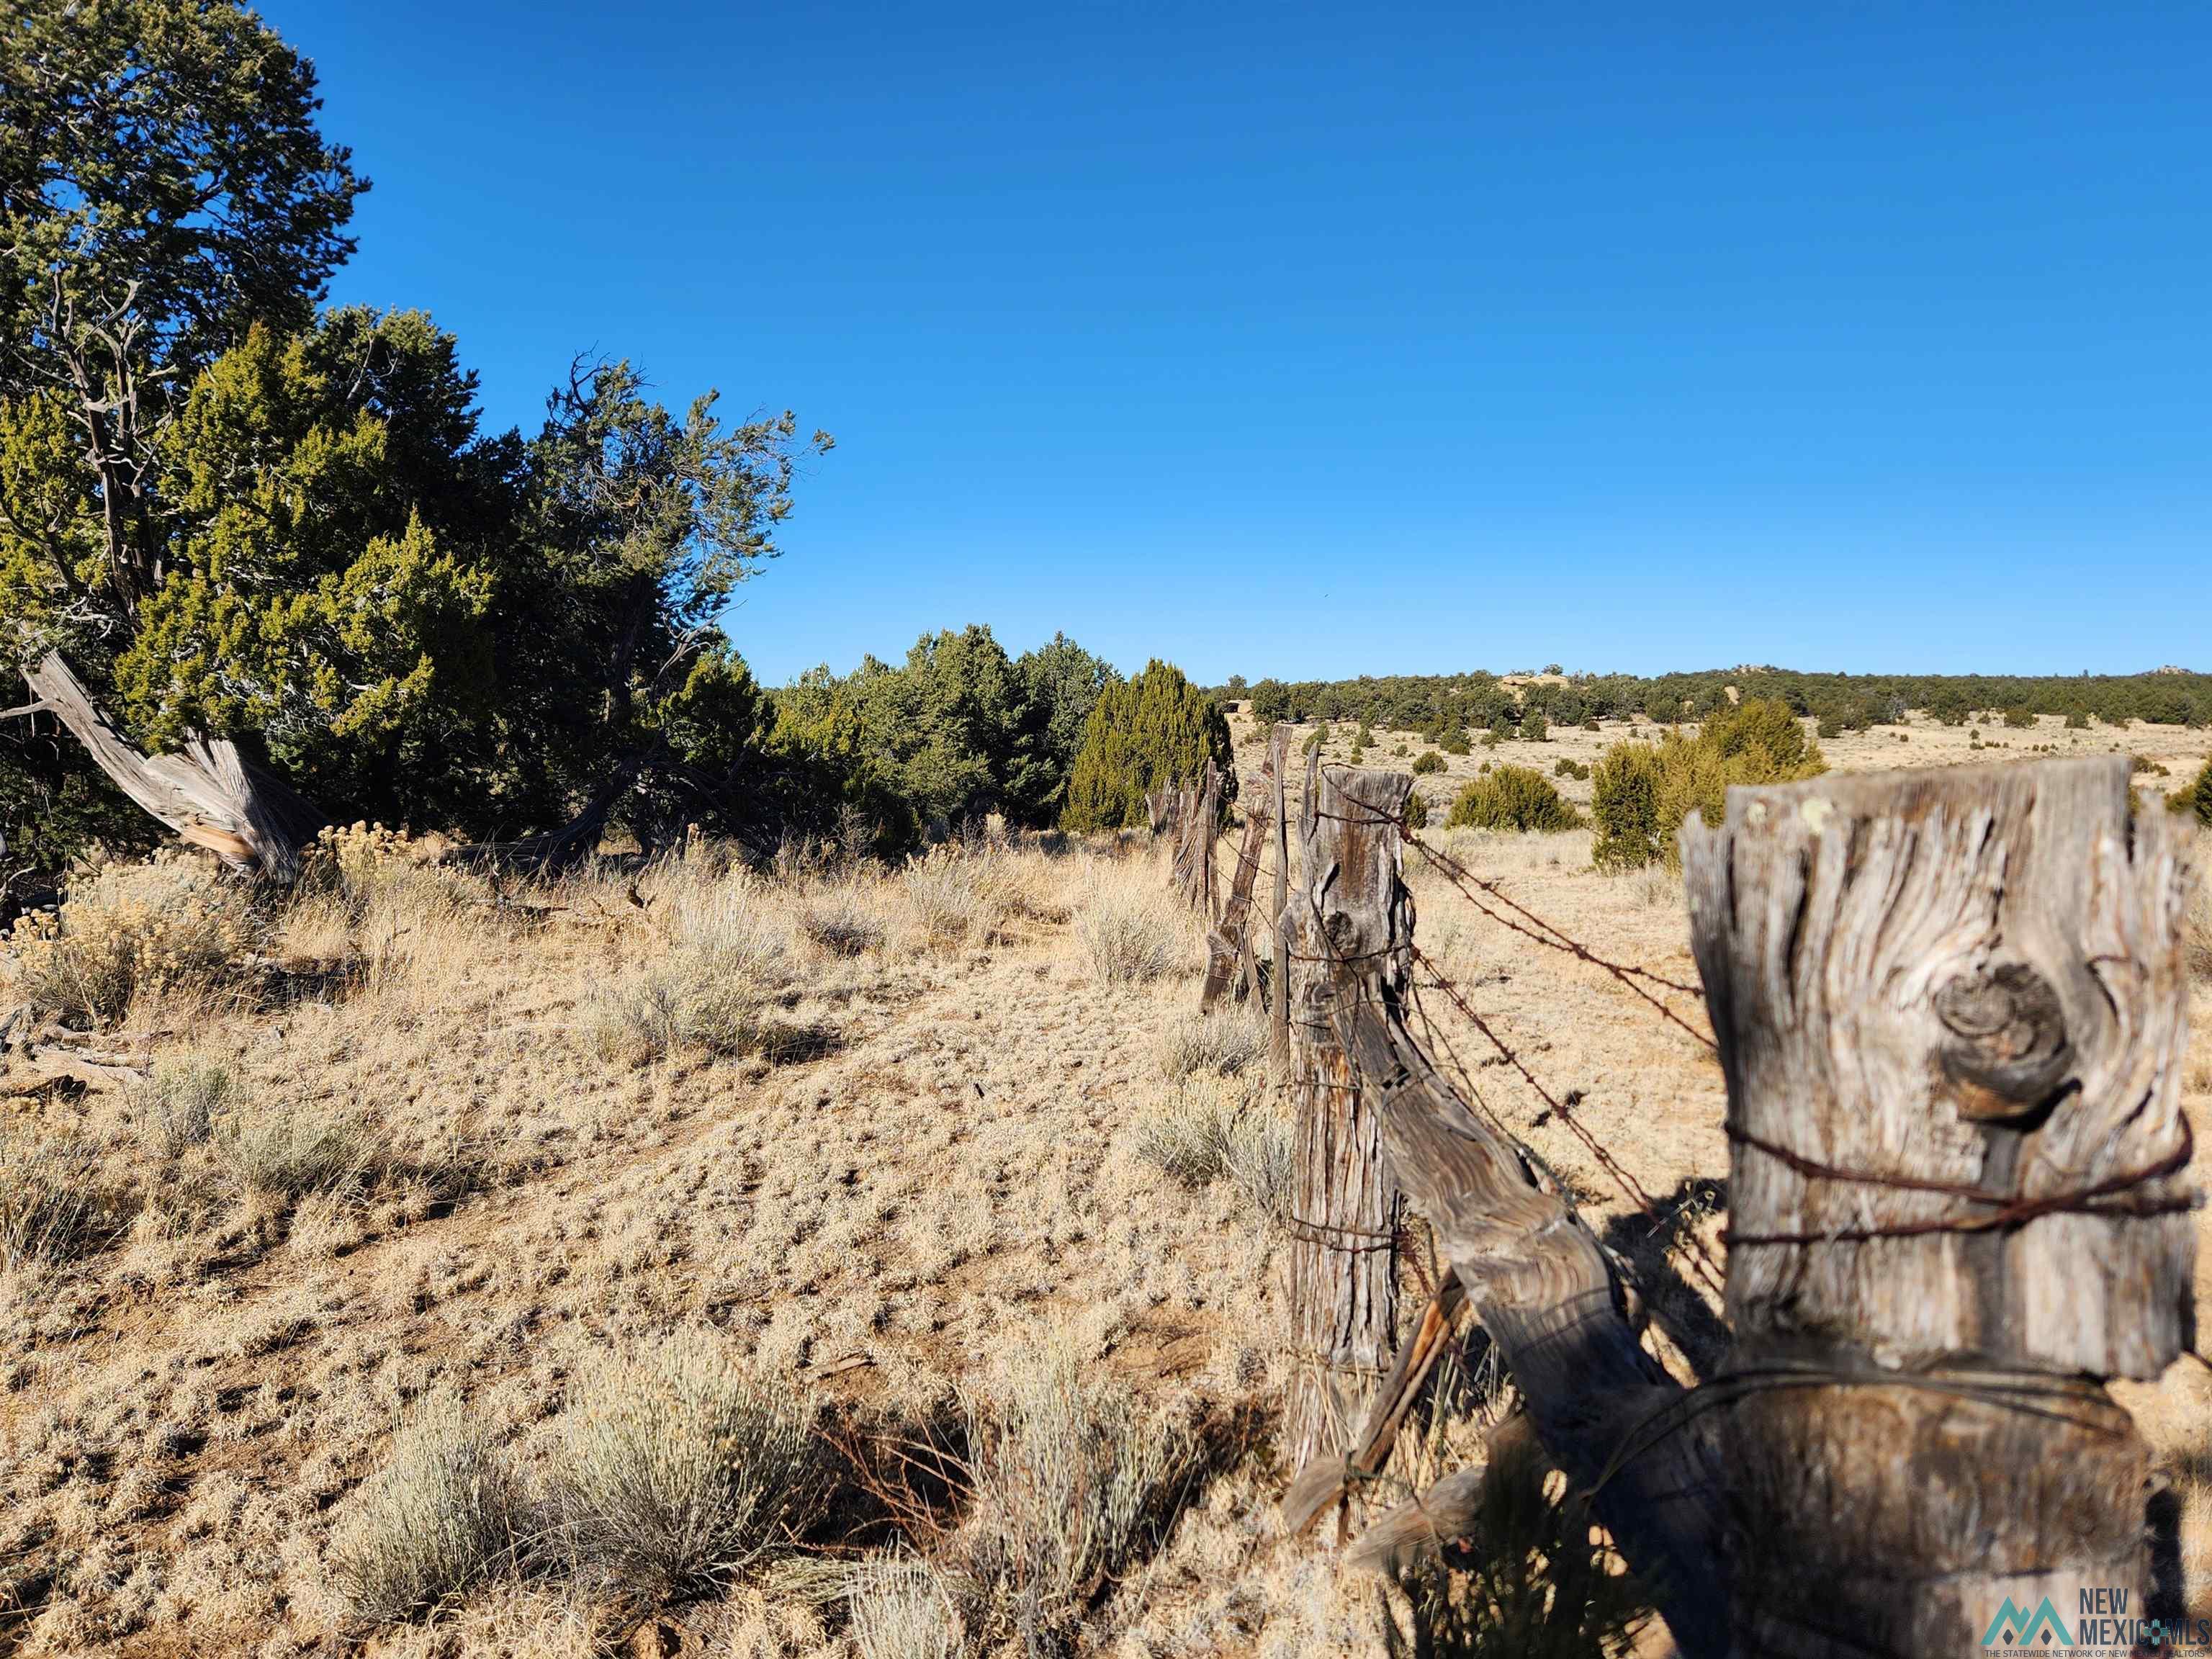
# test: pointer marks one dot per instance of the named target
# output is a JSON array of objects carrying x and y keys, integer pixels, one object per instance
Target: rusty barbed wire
[
  {"x": 1707, "y": 1269},
  {"x": 1552, "y": 937},
  {"x": 1706, "y": 1266},
  {"x": 2006, "y": 1212}
]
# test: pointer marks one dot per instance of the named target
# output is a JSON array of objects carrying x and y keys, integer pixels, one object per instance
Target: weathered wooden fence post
[
  {"x": 1349, "y": 930},
  {"x": 1951, "y": 1010},
  {"x": 1198, "y": 812},
  {"x": 1230, "y": 957},
  {"x": 1161, "y": 809},
  {"x": 1605, "y": 1412},
  {"x": 1279, "y": 1047}
]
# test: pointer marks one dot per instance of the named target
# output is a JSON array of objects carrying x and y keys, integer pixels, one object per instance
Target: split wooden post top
[
  {"x": 1951, "y": 1008},
  {"x": 1951, "y": 1005}
]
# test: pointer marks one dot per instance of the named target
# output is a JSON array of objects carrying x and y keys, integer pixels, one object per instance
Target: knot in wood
[{"x": 2005, "y": 1052}]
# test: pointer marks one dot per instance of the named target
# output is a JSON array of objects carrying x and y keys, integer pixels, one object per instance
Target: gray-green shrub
[
  {"x": 1074, "y": 1483},
  {"x": 445, "y": 1512},
  {"x": 681, "y": 1467}
]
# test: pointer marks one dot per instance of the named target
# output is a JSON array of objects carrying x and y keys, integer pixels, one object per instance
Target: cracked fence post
[
  {"x": 1349, "y": 929},
  {"x": 1278, "y": 1011},
  {"x": 1951, "y": 1007}
]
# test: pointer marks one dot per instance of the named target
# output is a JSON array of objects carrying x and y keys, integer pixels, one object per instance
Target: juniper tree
[
  {"x": 222, "y": 517},
  {"x": 163, "y": 187},
  {"x": 1150, "y": 733}
]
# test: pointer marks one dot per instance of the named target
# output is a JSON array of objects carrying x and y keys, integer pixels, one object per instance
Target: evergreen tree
[
  {"x": 1060, "y": 685},
  {"x": 1153, "y": 732}
]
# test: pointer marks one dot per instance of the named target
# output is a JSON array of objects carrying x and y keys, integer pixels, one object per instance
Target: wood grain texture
[
  {"x": 1229, "y": 956},
  {"x": 1606, "y": 1413},
  {"x": 1951, "y": 1008},
  {"x": 207, "y": 793},
  {"x": 1348, "y": 927}
]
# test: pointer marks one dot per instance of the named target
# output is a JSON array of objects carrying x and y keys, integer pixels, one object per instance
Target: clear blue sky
[{"x": 1331, "y": 342}]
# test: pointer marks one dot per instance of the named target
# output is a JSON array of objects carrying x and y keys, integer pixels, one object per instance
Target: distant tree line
[
  {"x": 1445, "y": 707},
  {"x": 960, "y": 731}
]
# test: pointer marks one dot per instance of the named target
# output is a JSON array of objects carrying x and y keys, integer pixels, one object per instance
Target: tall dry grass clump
[
  {"x": 290, "y": 1149},
  {"x": 53, "y": 1206},
  {"x": 735, "y": 919},
  {"x": 965, "y": 893},
  {"x": 174, "y": 925},
  {"x": 685, "y": 1005},
  {"x": 680, "y": 1467},
  {"x": 1128, "y": 928},
  {"x": 842, "y": 921},
  {"x": 1226, "y": 1043},
  {"x": 1074, "y": 1483},
  {"x": 902, "y": 1608},
  {"x": 177, "y": 1107},
  {"x": 1209, "y": 1128},
  {"x": 446, "y": 1513},
  {"x": 408, "y": 930},
  {"x": 723, "y": 954}
]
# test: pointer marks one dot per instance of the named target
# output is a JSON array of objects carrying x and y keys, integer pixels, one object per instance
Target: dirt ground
[{"x": 958, "y": 1166}]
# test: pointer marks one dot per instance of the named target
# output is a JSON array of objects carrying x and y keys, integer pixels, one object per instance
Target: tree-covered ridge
[{"x": 1440, "y": 705}]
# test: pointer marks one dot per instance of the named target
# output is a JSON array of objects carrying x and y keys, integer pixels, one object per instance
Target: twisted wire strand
[{"x": 2007, "y": 1213}]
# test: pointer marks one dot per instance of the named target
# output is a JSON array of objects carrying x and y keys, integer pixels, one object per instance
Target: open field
[{"x": 934, "y": 1158}]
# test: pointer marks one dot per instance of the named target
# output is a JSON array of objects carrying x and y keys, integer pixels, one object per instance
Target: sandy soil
[{"x": 956, "y": 1167}]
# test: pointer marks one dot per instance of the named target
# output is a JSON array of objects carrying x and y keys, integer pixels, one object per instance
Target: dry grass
[
  {"x": 901, "y": 1607},
  {"x": 1074, "y": 1482},
  {"x": 1127, "y": 929},
  {"x": 53, "y": 1206},
  {"x": 1208, "y": 1129},
  {"x": 445, "y": 1512},
  {"x": 178, "y": 1107},
  {"x": 681, "y": 1467},
  {"x": 688, "y": 1003},
  {"x": 196, "y": 1407},
  {"x": 133, "y": 931},
  {"x": 1226, "y": 1043},
  {"x": 842, "y": 922},
  {"x": 289, "y": 1149},
  {"x": 968, "y": 894}
]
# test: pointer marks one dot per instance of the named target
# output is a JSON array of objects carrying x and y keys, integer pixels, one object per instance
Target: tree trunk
[
  {"x": 1951, "y": 1007},
  {"x": 207, "y": 793},
  {"x": 557, "y": 850},
  {"x": 1349, "y": 926}
]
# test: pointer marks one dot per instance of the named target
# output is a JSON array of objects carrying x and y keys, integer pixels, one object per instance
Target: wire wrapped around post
[{"x": 1349, "y": 929}]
